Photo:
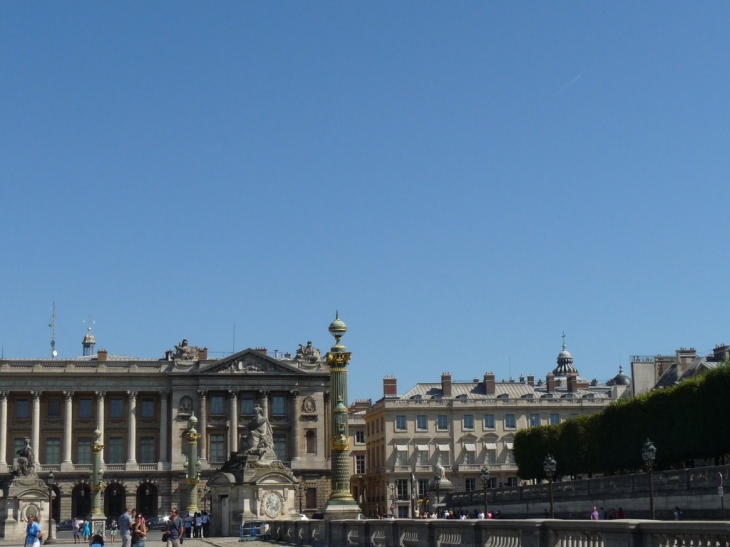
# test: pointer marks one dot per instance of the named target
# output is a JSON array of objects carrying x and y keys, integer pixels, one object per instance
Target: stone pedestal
[
  {"x": 249, "y": 489},
  {"x": 24, "y": 496}
]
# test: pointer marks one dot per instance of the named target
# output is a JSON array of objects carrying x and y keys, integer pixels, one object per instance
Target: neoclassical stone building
[{"x": 142, "y": 408}]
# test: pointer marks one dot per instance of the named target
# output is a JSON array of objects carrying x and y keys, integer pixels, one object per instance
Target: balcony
[
  {"x": 401, "y": 468},
  {"x": 468, "y": 467}
]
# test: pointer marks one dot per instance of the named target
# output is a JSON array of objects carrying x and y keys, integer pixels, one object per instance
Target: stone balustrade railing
[{"x": 502, "y": 533}]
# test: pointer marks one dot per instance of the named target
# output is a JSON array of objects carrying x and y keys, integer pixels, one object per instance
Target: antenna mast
[{"x": 52, "y": 324}]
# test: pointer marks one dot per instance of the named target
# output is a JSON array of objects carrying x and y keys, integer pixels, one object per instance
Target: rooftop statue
[{"x": 308, "y": 353}]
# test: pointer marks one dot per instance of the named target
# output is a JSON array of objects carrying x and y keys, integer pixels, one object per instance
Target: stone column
[
  {"x": 3, "y": 431},
  {"x": 67, "y": 464},
  {"x": 264, "y": 402},
  {"x": 35, "y": 432},
  {"x": 162, "y": 460},
  {"x": 233, "y": 433},
  {"x": 296, "y": 431},
  {"x": 132, "y": 432},
  {"x": 203, "y": 425},
  {"x": 100, "y": 421}
]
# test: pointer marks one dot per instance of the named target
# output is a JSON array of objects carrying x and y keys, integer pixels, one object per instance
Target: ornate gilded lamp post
[
  {"x": 341, "y": 504},
  {"x": 549, "y": 465},
  {"x": 97, "y": 517},
  {"x": 192, "y": 475},
  {"x": 648, "y": 452},
  {"x": 50, "y": 481},
  {"x": 485, "y": 485}
]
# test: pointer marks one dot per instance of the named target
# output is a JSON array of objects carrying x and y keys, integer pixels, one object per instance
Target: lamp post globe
[{"x": 50, "y": 480}]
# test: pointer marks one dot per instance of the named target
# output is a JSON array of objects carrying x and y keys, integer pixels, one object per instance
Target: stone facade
[{"x": 142, "y": 408}]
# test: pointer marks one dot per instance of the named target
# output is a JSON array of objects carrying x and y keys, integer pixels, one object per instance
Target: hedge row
[{"x": 685, "y": 422}]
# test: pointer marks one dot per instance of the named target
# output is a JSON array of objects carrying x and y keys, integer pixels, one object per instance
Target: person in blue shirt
[
  {"x": 33, "y": 532},
  {"x": 174, "y": 529}
]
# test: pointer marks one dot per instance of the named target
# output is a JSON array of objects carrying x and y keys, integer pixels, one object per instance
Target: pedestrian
[
  {"x": 174, "y": 529},
  {"x": 198, "y": 525},
  {"x": 677, "y": 513},
  {"x": 139, "y": 531},
  {"x": 125, "y": 523},
  {"x": 602, "y": 514},
  {"x": 33, "y": 532},
  {"x": 188, "y": 526},
  {"x": 97, "y": 541},
  {"x": 595, "y": 515},
  {"x": 205, "y": 517},
  {"x": 620, "y": 514},
  {"x": 76, "y": 526},
  {"x": 113, "y": 527},
  {"x": 87, "y": 530}
]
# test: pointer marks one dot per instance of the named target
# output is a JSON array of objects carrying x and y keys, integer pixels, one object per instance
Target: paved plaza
[{"x": 154, "y": 539}]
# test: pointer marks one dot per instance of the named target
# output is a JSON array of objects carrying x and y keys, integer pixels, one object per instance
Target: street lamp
[
  {"x": 392, "y": 499},
  {"x": 549, "y": 465},
  {"x": 192, "y": 475},
  {"x": 302, "y": 489},
  {"x": 648, "y": 452},
  {"x": 437, "y": 487},
  {"x": 413, "y": 496},
  {"x": 51, "y": 480},
  {"x": 485, "y": 485}
]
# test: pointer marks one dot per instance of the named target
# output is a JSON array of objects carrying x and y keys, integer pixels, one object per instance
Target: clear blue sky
[{"x": 462, "y": 181}]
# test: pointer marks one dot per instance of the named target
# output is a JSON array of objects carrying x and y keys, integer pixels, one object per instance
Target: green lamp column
[
  {"x": 192, "y": 475},
  {"x": 97, "y": 517},
  {"x": 340, "y": 500}
]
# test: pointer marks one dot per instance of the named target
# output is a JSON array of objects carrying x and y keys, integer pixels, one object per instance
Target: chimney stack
[
  {"x": 203, "y": 354},
  {"x": 721, "y": 352},
  {"x": 572, "y": 382},
  {"x": 530, "y": 380},
  {"x": 390, "y": 386},
  {"x": 550, "y": 383},
  {"x": 489, "y": 383},
  {"x": 446, "y": 384},
  {"x": 262, "y": 350},
  {"x": 101, "y": 356}
]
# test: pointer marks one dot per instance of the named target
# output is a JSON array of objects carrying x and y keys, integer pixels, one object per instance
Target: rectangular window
[
  {"x": 114, "y": 450},
  {"x": 421, "y": 422},
  {"x": 443, "y": 422},
  {"x": 85, "y": 408},
  {"x": 468, "y": 421},
  {"x": 18, "y": 443},
  {"x": 402, "y": 490},
  {"x": 360, "y": 464},
  {"x": 216, "y": 406},
  {"x": 116, "y": 408},
  {"x": 360, "y": 437},
  {"x": 470, "y": 485},
  {"x": 54, "y": 407},
  {"x": 280, "y": 446},
  {"x": 400, "y": 423},
  {"x": 509, "y": 421},
  {"x": 148, "y": 408},
  {"x": 247, "y": 403},
  {"x": 217, "y": 452},
  {"x": 278, "y": 405},
  {"x": 512, "y": 481},
  {"x": 83, "y": 450},
  {"x": 534, "y": 420},
  {"x": 469, "y": 457},
  {"x": 554, "y": 419},
  {"x": 53, "y": 450},
  {"x": 401, "y": 456},
  {"x": 22, "y": 409},
  {"x": 489, "y": 421},
  {"x": 423, "y": 485},
  {"x": 490, "y": 455},
  {"x": 311, "y": 498},
  {"x": 445, "y": 458},
  {"x": 147, "y": 450},
  {"x": 422, "y": 457}
]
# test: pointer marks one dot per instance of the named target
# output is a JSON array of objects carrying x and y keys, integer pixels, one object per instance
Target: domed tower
[
  {"x": 88, "y": 343},
  {"x": 565, "y": 362}
]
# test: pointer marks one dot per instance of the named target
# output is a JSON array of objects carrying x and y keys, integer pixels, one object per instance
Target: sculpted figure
[
  {"x": 26, "y": 461},
  {"x": 260, "y": 437},
  {"x": 440, "y": 472}
]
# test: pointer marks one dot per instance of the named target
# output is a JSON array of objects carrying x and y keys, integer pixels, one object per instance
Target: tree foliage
[{"x": 685, "y": 422}]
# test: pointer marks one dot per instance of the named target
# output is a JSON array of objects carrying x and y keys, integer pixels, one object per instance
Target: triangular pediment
[{"x": 249, "y": 361}]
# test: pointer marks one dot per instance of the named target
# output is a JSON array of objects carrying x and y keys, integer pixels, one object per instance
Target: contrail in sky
[{"x": 571, "y": 82}]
